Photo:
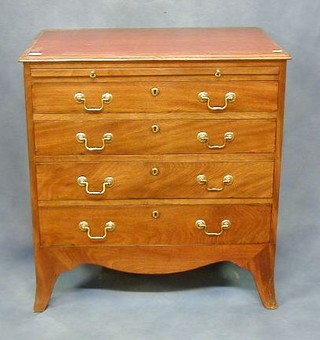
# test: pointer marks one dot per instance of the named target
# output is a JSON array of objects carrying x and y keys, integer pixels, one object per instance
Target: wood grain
[
  {"x": 156, "y": 64},
  {"x": 262, "y": 269},
  {"x": 181, "y": 63},
  {"x": 134, "y": 180},
  {"x": 154, "y": 44},
  {"x": 135, "y": 224},
  {"x": 278, "y": 154},
  {"x": 53, "y": 261},
  {"x": 159, "y": 201},
  {"x": 175, "y": 96},
  {"x": 104, "y": 71},
  {"x": 199, "y": 157},
  {"x": 137, "y": 137}
]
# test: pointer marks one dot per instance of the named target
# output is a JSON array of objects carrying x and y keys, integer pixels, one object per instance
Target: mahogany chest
[{"x": 154, "y": 150}]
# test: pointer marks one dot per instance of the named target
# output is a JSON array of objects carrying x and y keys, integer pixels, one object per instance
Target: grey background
[{"x": 218, "y": 301}]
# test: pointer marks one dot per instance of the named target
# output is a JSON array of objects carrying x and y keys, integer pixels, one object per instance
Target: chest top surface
[{"x": 153, "y": 44}]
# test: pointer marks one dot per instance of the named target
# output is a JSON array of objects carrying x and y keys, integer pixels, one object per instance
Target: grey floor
[{"x": 215, "y": 302}]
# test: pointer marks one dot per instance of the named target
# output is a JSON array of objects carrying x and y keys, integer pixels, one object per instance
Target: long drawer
[
  {"x": 153, "y": 179},
  {"x": 174, "y": 96},
  {"x": 154, "y": 224},
  {"x": 154, "y": 136}
]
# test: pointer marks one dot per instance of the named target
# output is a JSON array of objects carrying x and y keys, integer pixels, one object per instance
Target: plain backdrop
[{"x": 216, "y": 302}]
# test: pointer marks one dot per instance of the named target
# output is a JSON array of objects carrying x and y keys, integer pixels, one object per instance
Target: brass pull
[
  {"x": 229, "y": 97},
  {"x": 82, "y": 138},
  {"x": 109, "y": 226},
  {"x": 203, "y": 137},
  {"x": 217, "y": 74},
  {"x": 202, "y": 225},
  {"x": 93, "y": 74},
  {"x": 106, "y": 98},
  {"x": 83, "y": 182},
  {"x": 227, "y": 180}
]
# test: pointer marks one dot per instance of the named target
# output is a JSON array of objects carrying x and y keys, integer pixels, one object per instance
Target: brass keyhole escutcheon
[
  {"x": 155, "y": 91},
  {"x": 93, "y": 74},
  {"x": 154, "y": 171},
  {"x": 156, "y": 214},
  {"x": 155, "y": 128}
]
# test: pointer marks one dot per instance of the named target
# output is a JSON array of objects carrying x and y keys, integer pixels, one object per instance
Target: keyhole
[
  {"x": 155, "y": 91},
  {"x": 155, "y": 214},
  {"x": 155, "y": 128},
  {"x": 154, "y": 171}
]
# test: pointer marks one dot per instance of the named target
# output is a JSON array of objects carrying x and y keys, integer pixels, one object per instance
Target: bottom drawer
[{"x": 167, "y": 224}]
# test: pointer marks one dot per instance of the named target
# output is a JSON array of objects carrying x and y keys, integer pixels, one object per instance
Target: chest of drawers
[{"x": 154, "y": 150}]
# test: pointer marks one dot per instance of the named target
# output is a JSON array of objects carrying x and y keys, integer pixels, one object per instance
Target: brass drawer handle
[
  {"x": 82, "y": 138},
  {"x": 202, "y": 225},
  {"x": 106, "y": 98},
  {"x": 227, "y": 180},
  {"x": 83, "y": 182},
  {"x": 203, "y": 137},
  {"x": 84, "y": 226},
  {"x": 229, "y": 97},
  {"x": 218, "y": 73},
  {"x": 93, "y": 74}
]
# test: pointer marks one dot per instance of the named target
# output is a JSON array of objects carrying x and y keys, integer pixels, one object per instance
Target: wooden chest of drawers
[{"x": 154, "y": 150}]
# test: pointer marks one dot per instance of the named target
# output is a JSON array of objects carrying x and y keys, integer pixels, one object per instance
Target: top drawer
[{"x": 132, "y": 90}]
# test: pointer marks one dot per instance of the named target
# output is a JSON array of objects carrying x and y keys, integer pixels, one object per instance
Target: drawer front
[
  {"x": 136, "y": 225},
  {"x": 147, "y": 179},
  {"x": 174, "y": 96},
  {"x": 103, "y": 73},
  {"x": 154, "y": 136}
]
